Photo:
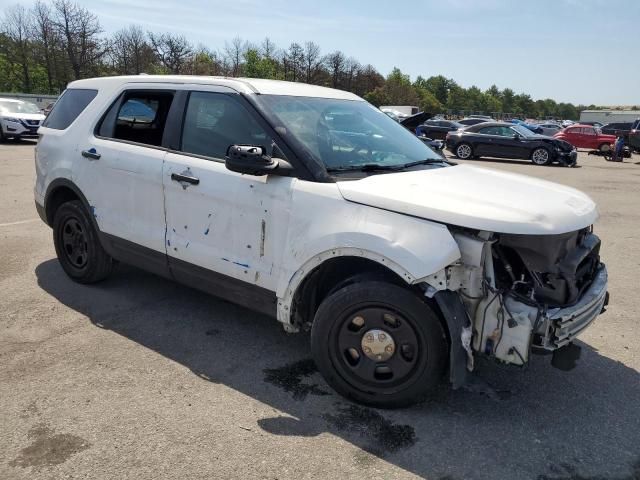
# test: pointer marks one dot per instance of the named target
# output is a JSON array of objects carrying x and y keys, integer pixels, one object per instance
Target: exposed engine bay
[{"x": 524, "y": 292}]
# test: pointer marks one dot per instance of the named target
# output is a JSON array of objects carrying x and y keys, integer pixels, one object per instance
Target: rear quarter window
[{"x": 71, "y": 104}]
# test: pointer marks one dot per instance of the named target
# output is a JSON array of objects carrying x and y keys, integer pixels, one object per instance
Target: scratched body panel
[{"x": 229, "y": 223}]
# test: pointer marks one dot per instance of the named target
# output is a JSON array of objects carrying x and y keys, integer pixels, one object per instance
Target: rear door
[
  {"x": 222, "y": 225},
  {"x": 121, "y": 172}
]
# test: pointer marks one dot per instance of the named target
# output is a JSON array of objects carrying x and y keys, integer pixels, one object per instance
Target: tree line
[{"x": 45, "y": 47}]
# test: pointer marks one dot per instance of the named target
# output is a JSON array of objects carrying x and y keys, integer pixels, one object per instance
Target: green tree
[{"x": 257, "y": 66}]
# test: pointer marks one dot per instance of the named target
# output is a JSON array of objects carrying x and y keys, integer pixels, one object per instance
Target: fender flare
[
  {"x": 285, "y": 298},
  {"x": 66, "y": 183}
]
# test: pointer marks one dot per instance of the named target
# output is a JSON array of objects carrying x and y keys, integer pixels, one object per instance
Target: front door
[{"x": 222, "y": 225}]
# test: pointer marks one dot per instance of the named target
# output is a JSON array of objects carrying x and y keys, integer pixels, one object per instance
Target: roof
[
  {"x": 471, "y": 128},
  {"x": 625, "y": 112},
  {"x": 241, "y": 85}
]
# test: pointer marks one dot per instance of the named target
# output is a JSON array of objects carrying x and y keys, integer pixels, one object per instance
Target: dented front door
[{"x": 225, "y": 222}]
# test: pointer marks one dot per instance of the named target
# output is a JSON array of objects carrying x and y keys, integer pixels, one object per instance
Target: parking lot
[{"x": 139, "y": 377}]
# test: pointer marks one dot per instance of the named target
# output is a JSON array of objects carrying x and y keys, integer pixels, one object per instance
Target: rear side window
[
  {"x": 137, "y": 116},
  {"x": 71, "y": 104}
]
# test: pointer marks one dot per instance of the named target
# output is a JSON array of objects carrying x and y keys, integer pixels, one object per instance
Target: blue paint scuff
[
  {"x": 206, "y": 232},
  {"x": 237, "y": 263}
]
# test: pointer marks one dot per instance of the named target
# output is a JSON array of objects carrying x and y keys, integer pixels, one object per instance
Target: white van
[{"x": 310, "y": 205}]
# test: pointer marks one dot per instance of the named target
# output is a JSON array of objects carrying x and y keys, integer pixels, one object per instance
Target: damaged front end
[{"x": 519, "y": 293}]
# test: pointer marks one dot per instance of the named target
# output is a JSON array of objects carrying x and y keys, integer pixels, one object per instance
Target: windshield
[
  {"x": 524, "y": 131},
  {"x": 345, "y": 134},
  {"x": 19, "y": 107}
]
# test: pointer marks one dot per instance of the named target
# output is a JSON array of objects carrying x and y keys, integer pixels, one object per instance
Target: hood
[
  {"x": 24, "y": 116},
  {"x": 414, "y": 120},
  {"x": 556, "y": 141},
  {"x": 477, "y": 198}
]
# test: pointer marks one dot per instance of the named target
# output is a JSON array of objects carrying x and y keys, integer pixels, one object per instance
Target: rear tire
[
  {"x": 379, "y": 344},
  {"x": 77, "y": 245},
  {"x": 464, "y": 151},
  {"x": 605, "y": 147},
  {"x": 541, "y": 156}
]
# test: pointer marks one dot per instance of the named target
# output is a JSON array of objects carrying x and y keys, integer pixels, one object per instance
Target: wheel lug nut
[
  {"x": 388, "y": 349},
  {"x": 382, "y": 337},
  {"x": 367, "y": 350}
]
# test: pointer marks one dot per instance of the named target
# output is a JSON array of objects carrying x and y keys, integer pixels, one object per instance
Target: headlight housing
[{"x": 11, "y": 119}]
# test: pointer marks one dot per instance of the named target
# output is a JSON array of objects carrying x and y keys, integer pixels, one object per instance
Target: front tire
[
  {"x": 77, "y": 245},
  {"x": 464, "y": 151},
  {"x": 379, "y": 344},
  {"x": 541, "y": 156}
]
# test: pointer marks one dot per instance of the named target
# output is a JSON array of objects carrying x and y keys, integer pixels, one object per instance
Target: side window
[
  {"x": 138, "y": 117},
  {"x": 214, "y": 121},
  {"x": 491, "y": 130},
  {"x": 71, "y": 104},
  {"x": 588, "y": 131},
  {"x": 573, "y": 131}
]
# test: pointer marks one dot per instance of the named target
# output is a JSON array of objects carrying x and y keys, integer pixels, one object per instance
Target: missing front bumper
[{"x": 565, "y": 324}]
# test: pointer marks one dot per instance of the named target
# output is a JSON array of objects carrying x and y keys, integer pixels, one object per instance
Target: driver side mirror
[
  {"x": 253, "y": 160},
  {"x": 517, "y": 136}
]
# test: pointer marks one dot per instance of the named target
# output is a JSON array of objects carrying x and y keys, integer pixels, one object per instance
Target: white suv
[
  {"x": 312, "y": 206},
  {"x": 19, "y": 119}
]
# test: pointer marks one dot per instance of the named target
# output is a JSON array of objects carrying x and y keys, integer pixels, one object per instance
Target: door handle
[
  {"x": 178, "y": 177},
  {"x": 91, "y": 154}
]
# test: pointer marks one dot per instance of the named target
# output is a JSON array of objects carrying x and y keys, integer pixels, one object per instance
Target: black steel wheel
[
  {"x": 378, "y": 344},
  {"x": 77, "y": 245}
]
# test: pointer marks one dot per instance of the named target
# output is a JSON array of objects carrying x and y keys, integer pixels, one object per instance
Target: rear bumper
[{"x": 563, "y": 325}]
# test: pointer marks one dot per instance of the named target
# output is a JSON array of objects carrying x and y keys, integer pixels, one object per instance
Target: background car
[
  {"x": 47, "y": 110},
  {"x": 506, "y": 140},
  {"x": 586, "y": 136},
  {"x": 616, "y": 128},
  {"x": 472, "y": 121},
  {"x": 437, "y": 129},
  {"x": 531, "y": 126},
  {"x": 634, "y": 136},
  {"x": 550, "y": 129},
  {"x": 19, "y": 119}
]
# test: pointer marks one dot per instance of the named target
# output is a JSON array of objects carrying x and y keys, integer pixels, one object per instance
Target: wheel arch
[
  {"x": 332, "y": 269},
  {"x": 63, "y": 190}
]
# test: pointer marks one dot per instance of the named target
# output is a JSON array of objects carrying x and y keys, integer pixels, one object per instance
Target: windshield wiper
[
  {"x": 427, "y": 161},
  {"x": 367, "y": 167},
  {"x": 376, "y": 167}
]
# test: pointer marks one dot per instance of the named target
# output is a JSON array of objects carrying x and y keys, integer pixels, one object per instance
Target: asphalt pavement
[{"x": 141, "y": 378}]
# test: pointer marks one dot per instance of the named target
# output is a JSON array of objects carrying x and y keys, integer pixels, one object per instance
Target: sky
[{"x": 579, "y": 51}]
